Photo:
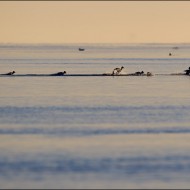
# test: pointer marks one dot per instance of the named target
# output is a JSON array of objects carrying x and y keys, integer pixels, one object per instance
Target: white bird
[{"x": 118, "y": 70}]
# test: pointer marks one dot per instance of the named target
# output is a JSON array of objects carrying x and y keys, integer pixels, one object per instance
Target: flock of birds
[
  {"x": 116, "y": 71},
  {"x": 54, "y": 74}
]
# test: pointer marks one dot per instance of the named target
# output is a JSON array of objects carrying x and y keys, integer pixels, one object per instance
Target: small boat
[
  {"x": 81, "y": 49},
  {"x": 175, "y": 47}
]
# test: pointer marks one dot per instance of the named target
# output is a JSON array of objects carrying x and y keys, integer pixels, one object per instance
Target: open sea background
[{"x": 94, "y": 132}]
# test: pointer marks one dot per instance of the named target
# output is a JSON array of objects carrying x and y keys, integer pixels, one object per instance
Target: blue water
[{"x": 94, "y": 132}]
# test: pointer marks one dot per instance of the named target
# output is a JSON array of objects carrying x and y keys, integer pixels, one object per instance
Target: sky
[{"x": 94, "y": 21}]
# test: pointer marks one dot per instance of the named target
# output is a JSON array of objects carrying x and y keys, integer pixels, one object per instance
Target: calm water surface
[{"x": 94, "y": 132}]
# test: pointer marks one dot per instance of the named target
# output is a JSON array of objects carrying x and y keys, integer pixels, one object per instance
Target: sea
[{"x": 93, "y": 132}]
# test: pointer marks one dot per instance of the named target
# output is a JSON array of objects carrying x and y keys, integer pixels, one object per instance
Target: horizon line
[{"x": 94, "y": 42}]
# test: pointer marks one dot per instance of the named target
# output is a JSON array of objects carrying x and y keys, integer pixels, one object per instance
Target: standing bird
[{"x": 117, "y": 70}]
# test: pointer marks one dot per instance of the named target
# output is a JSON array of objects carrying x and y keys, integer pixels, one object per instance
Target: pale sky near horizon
[{"x": 95, "y": 22}]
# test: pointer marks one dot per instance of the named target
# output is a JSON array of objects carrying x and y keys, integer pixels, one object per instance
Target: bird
[
  {"x": 59, "y": 73},
  {"x": 149, "y": 74},
  {"x": 187, "y": 72},
  {"x": 117, "y": 70},
  {"x": 139, "y": 73},
  {"x": 10, "y": 73}
]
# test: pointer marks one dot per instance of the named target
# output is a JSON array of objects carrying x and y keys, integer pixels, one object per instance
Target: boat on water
[{"x": 81, "y": 49}]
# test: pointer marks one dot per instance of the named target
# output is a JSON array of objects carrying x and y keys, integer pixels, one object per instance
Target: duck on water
[
  {"x": 9, "y": 73},
  {"x": 187, "y": 72},
  {"x": 59, "y": 73},
  {"x": 139, "y": 73}
]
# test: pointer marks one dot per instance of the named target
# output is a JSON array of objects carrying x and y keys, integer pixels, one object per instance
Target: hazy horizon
[
  {"x": 94, "y": 22},
  {"x": 90, "y": 43}
]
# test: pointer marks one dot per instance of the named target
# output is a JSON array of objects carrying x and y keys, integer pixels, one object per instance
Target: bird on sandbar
[
  {"x": 10, "y": 73},
  {"x": 59, "y": 73},
  {"x": 139, "y": 73},
  {"x": 187, "y": 72},
  {"x": 149, "y": 74},
  {"x": 116, "y": 71}
]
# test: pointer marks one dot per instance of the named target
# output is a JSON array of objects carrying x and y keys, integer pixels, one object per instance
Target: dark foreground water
[{"x": 94, "y": 132}]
